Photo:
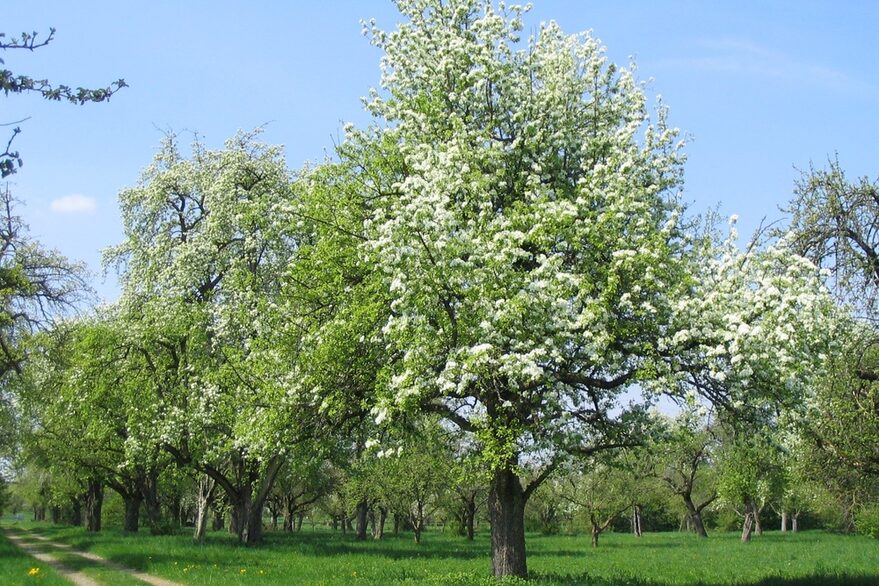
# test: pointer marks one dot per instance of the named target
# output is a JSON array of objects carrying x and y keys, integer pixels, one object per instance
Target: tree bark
[
  {"x": 795, "y": 522},
  {"x": 470, "y": 518},
  {"x": 94, "y": 501},
  {"x": 75, "y": 512},
  {"x": 204, "y": 497},
  {"x": 695, "y": 516},
  {"x": 219, "y": 520},
  {"x": 362, "y": 510},
  {"x": 152, "y": 504},
  {"x": 747, "y": 525},
  {"x": 379, "y": 530},
  {"x": 417, "y": 519},
  {"x": 636, "y": 521},
  {"x": 506, "y": 509},
  {"x": 595, "y": 533},
  {"x": 131, "y": 503},
  {"x": 783, "y": 521}
]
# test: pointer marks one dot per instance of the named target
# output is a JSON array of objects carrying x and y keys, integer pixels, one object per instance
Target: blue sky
[{"x": 761, "y": 89}]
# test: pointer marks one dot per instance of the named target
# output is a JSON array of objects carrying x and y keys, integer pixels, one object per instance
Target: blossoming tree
[{"x": 527, "y": 226}]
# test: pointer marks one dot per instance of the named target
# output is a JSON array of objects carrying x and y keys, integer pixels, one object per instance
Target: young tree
[
  {"x": 750, "y": 476},
  {"x": 600, "y": 492},
  {"x": 684, "y": 465}
]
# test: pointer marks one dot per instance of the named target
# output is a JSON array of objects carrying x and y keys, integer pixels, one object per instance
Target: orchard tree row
[{"x": 494, "y": 282}]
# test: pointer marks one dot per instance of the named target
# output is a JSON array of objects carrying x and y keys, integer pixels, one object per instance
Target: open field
[{"x": 322, "y": 557}]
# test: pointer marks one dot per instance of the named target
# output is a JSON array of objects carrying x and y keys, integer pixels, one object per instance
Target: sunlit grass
[{"x": 323, "y": 557}]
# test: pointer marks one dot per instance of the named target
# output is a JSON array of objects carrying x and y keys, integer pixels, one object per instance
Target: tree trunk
[
  {"x": 247, "y": 518},
  {"x": 596, "y": 531},
  {"x": 132, "y": 503},
  {"x": 506, "y": 509},
  {"x": 289, "y": 512},
  {"x": 470, "y": 518},
  {"x": 695, "y": 515},
  {"x": 362, "y": 509},
  {"x": 299, "y": 518},
  {"x": 75, "y": 512},
  {"x": 94, "y": 501},
  {"x": 795, "y": 522},
  {"x": 747, "y": 525},
  {"x": 219, "y": 520},
  {"x": 152, "y": 504},
  {"x": 379, "y": 530},
  {"x": 55, "y": 515},
  {"x": 636, "y": 521},
  {"x": 418, "y": 521},
  {"x": 203, "y": 500},
  {"x": 758, "y": 527},
  {"x": 396, "y": 523},
  {"x": 783, "y": 521}
]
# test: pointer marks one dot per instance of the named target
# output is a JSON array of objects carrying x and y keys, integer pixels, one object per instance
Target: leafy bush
[{"x": 867, "y": 520}]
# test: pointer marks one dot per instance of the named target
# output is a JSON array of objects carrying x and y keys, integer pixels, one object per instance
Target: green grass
[
  {"x": 323, "y": 557},
  {"x": 15, "y": 566}
]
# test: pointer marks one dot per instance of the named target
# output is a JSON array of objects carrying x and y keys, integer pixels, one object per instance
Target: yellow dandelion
[
  {"x": 33, "y": 572},
  {"x": 242, "y": 571}
]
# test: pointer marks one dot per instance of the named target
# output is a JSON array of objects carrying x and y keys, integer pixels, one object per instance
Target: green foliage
[{"x": 867, "y": 520}]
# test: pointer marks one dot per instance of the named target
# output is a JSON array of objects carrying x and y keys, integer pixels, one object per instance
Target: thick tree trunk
[
  {"x": 695, "y": 516},
  {"x": 783, "y": 521},
  {"x": 131, "y": 503},
  {"x": 94, "y": 502},
  {"x": 506, "y": 509},
  {"x": 247, "y": 518},
  {"x": 362, "y": 509},
  {"x": 55, "y": 515}
]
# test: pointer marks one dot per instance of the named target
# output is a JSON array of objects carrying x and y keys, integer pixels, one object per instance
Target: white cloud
[{"x": 75, "y": 203}]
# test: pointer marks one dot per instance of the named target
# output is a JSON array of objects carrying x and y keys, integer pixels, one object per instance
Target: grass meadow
[{"x": 321, "y": 557}]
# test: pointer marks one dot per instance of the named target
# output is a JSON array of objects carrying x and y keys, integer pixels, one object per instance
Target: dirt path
[{"x": 79, "y": 578}]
